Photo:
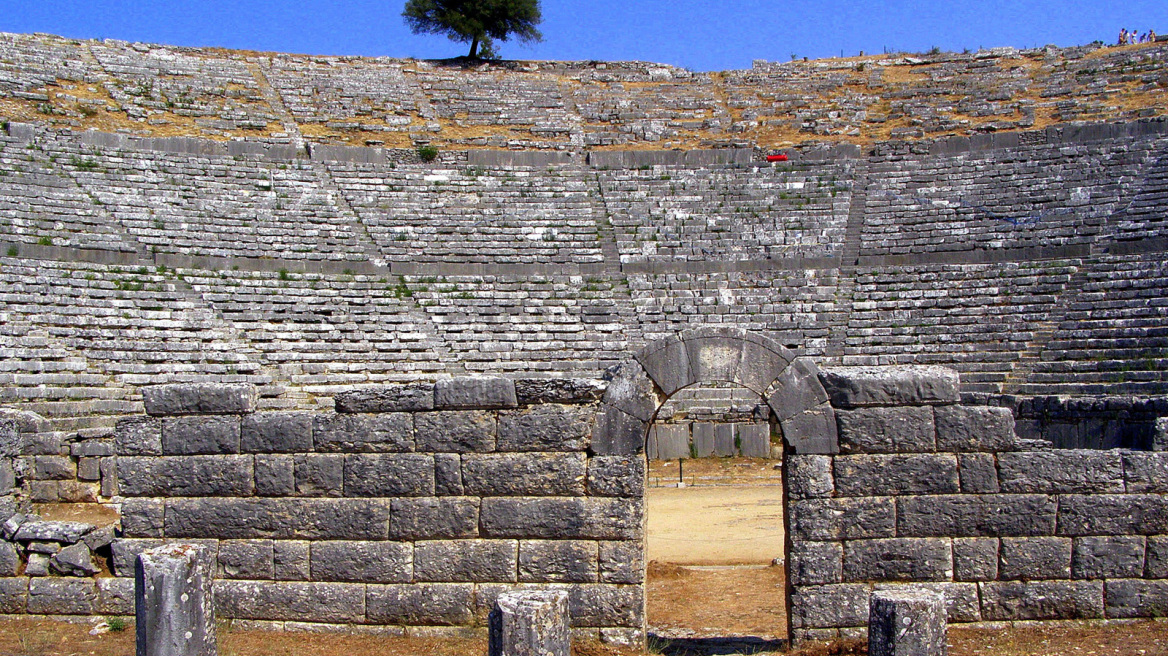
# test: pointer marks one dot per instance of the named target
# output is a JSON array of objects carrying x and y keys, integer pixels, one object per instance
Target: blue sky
[{"x": 697, "y": 34}]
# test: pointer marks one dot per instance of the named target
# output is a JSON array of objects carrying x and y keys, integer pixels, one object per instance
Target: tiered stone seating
[
  {"x": 76, "y": 339},
  {"x": 316, "y": 331},
  {"x": 978, "y": 319},
  {"x": 347, "y": 93},
  {"x": 166, "y": 85},
  {"x": 553, "y": 323},
  {"x": 648, "y": 103},
  {"x": 727, "y": 214},
  {"x": 215, "y": 206},
  {"x": 515, "y": 109},
  {"x": 1113, "y": 336},
  {"x": 795, "y": 307},
  {"x": 42, "y": 204},
  {"x": 1145, "y": 215},
  {"x": 31, "y": 62},
  {"x": 1022, "y": 197},
  {"x": 471, "y": 215},
  {"x": 561, "y": 105}
]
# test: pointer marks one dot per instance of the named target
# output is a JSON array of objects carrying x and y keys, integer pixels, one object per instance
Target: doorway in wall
[{"x": 715, "y": 533}]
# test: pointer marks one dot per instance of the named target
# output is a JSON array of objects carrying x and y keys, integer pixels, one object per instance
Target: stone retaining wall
[
  {"x": 927, "y": 492},
  {"x": 414, "y": 505}
]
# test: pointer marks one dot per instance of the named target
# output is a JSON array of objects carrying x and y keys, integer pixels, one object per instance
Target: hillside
[{"x": 159, "y": 91}]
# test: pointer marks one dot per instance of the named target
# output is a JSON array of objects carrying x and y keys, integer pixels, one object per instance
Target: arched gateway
[{"x": 789, "y": 384}]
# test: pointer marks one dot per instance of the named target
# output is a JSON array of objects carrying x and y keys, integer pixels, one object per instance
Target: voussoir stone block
[
  {"x": 666, "y": 364},
  {"x": 631, "y": 391},
  {"x": 199, "y": 399},
  {"x": 618, "y": 433},
  {"x": 812, "y": 431},
  {"x": 796, "y": 389},
  {"x": 714, "y": 358},
  {"x": 855, "y": 387},
  {"x": 474, "y": 393},
  {"x": 406, "y": 397}
]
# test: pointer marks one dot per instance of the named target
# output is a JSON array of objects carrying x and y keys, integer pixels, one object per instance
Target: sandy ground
[{"x": 722, "y": 525}]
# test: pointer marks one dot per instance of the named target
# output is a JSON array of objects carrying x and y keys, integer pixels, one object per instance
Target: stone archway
[{"x": 790, "y": 385}]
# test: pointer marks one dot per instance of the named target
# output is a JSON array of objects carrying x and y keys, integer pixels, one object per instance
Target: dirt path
[{"x": 722, "y": 525}]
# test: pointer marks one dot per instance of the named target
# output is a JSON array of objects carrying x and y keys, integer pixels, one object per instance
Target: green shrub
[{"x": 427, "y": 153}]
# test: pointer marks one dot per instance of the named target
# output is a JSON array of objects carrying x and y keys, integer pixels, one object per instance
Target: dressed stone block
[
  {"x": 199, "y": 399},
  {"x": 545, "y": 427},
  {"x": 174, "y": 603},
  {"x": 886, "y": 430}
]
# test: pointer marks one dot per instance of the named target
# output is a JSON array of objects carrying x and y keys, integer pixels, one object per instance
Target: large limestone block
[
  {"x": 530, "y": 623},
  {"x": 199, "y": 399},
  {"x": 856, "y": 387},
  {"x": 174, "y": 603},
  {"x": 907, "y": 623}
]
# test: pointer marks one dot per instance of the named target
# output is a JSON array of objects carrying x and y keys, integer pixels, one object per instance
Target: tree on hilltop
[{"x": 478, "y": 22}]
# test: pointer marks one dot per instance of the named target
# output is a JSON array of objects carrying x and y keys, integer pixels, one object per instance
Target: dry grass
[{"x": 26, "y": 637}]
